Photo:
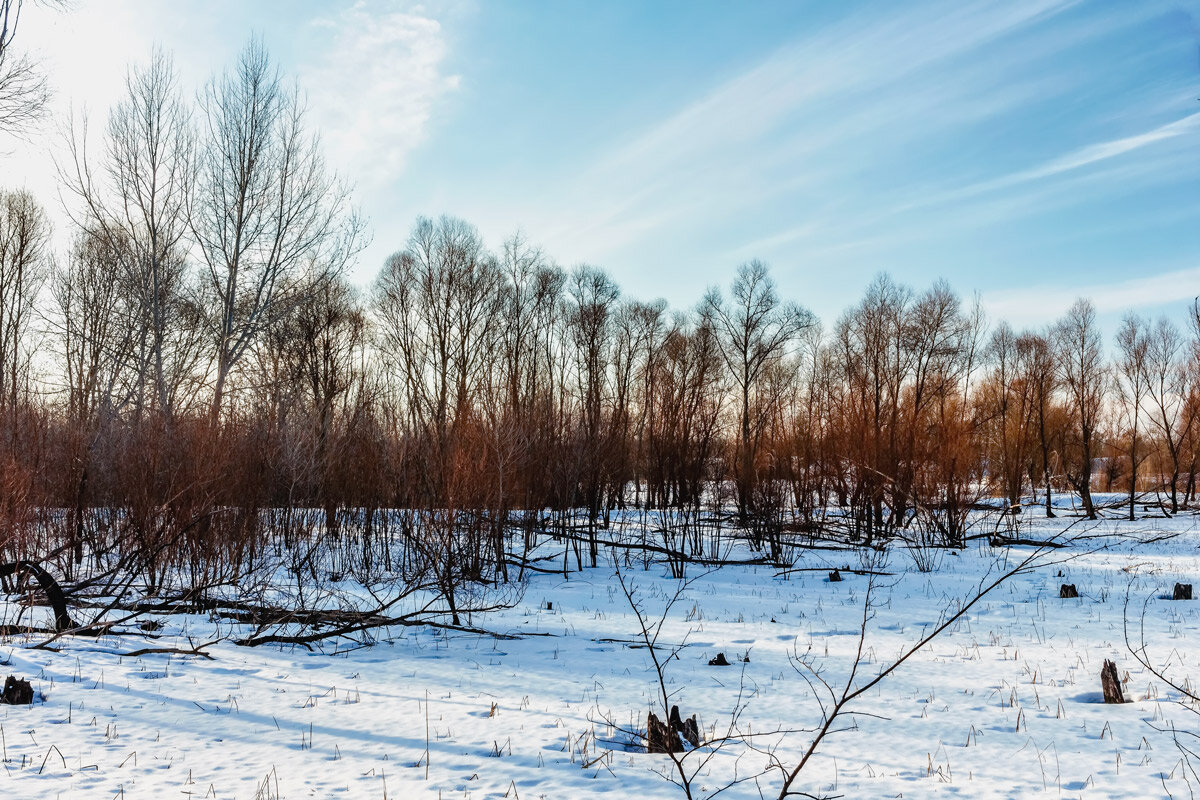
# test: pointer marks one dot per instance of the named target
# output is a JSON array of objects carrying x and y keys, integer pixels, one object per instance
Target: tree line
[{"x": 196, "y": 377}]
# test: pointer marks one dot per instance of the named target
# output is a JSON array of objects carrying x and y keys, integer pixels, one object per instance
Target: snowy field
[{"x": 1006, "y": 703}]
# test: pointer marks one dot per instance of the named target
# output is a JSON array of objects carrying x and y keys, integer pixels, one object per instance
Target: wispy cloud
[
  {"x": 798, "y": 118},
  {"x": 1080, "y": 175},
  {"x": 1082, "y": 157},
  {"x": 769, "y": 243},
  {"x": 877, "y": 136},
  {"x": 376, "y": 84},
  {"x": 1032, "y": 305}
]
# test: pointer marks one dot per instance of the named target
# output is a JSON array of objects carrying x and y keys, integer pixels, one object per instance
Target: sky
[{"x": 1027, "y": 151}]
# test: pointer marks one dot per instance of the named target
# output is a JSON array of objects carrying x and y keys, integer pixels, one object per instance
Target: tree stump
[
  {"x": 1110, "y": 684},
  {"x": 1067, "y": 591},
  {"x": 659, "y": 738},
  {"x": 1183, "y": 591},
  {"x": 674, "y": 719},
  {"x": 669, "y": 737},
  {"x": 17, "y": 692},
  {"x": 691, "y": 730},
  {"x": 719, "y": 661},
  {"x": 835, "y": 576},
  {"x": 687, "y": 728}
]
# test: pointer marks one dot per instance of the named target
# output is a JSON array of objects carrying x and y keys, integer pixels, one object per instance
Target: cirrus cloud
[{"x": 375, "y": 86}]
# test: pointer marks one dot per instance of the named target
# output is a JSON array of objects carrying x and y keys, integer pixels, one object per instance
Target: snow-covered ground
[{"x": 1004, "y": 704}]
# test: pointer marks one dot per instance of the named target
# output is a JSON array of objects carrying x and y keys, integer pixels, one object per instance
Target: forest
[
  {"x": 223, "y": 459},
  {"x": 196, "y": 381}
]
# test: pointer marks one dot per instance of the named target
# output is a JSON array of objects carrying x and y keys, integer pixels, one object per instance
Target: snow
[{"x": 1006, "y": 703}]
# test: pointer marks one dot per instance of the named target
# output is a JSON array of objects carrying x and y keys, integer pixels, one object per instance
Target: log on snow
[{"x": 54, "y": 592}]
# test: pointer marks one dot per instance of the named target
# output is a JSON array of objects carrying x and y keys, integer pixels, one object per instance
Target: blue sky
[{"x": 1029, "y": 151}]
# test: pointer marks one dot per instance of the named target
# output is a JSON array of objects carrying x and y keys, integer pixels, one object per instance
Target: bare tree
[
  {"x": 754, "y": 329},
  {"x": 1085, "y": 378},
  {"x": 321, "y": 344},
  {"x": 938, "y": 345},
  {"x": 592, "y": 325},
  {"x": 135, "y": 202},
  {"x": 1193, "y": 405},
  {"x": 97, "y": 333},
  {"x": 686, "y": 404},
  {"x": 435, "y": 304},
  {"x": 1133, "y": 384},
  {"x": 530, "y": 297},
  {"x": 265, "y": 207},
  {"x": 1171, "y": 380},
  {"x": 95, "y": 329},
  {"x": 1038, "y": 369},
  {"x": 24, "y": 243},
  {"x": 23, "y": 88},
  {"x": 874, "y": 365}
]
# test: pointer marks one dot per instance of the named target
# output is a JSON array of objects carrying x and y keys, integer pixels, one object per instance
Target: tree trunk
[{"x": 54, "y": 592}]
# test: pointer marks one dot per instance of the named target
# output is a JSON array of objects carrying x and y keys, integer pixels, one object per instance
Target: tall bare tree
[
  {"x": 1133, "y": 384},
  {"x": 754, "y": 329},
  {"x": 24, "y": 259},
  {"x": 874, "y": 364},
  {"x": 1084, "y": 377},
  {"x": 1008, "y": 398},
  {"x": 136, "y": 202},
  {"x": 937, "y": 351},
  {"x": 265, "y": 207},
  {"x": 1172, "y": 381},
  {"x": 320, "y": 344},
  {"x": 592, "y": 324},
  {"x": 1039, "y": 372},
  {"x": 435, "y": 302},
  {"x": 97, "y": 329}
]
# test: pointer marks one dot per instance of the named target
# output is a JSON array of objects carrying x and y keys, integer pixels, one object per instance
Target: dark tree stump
[
  {"x": 1067, "y": 591},
  {"x": 674, "y": 720},
  {"x": 719, "y": 661},
  {"x": 691, "y": 730},
  {"x": 1183, "y": 591},
  {"x": 687, "y": 728},
  {"x": 835, "y": 576},
  {"x": 1110, "y": 684},
  {"x": 659, "y": 738},
  {"x": 17, "y": 692}
]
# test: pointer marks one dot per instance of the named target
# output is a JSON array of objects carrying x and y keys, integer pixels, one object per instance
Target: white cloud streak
[
  {"x": 1083, "y": 157},
  {"x": 785, "y": 123},
  {"x": 819, "y": 126},
  {"x": 1033, "y": 305}
]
